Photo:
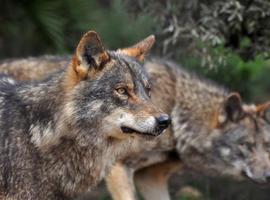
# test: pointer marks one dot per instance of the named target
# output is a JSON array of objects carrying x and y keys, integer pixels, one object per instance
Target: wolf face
[
  {"x": 118, "y": 87},
  {"x": 258, "y": 168},
  {"x": 239, "y": 144}
]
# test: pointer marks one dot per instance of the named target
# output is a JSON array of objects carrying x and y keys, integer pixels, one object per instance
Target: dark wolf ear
[
  {"x": 90, "y": 54},
  {"x": 89, "y": 58},
  {"x": 233, "y": 107},
  {"x": 140, "y": 49}
]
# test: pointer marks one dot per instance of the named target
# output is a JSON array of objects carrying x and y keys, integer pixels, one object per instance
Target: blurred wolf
[
  {"x": 212, "y": 131},
  {"x": 59, "y": 136}
]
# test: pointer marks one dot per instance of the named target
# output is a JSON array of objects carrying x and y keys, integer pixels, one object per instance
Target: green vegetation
[
  {"x": 229, "y": 41},
  {"x": 35, "y": 27},
  {"x": 249, "y": 77}
]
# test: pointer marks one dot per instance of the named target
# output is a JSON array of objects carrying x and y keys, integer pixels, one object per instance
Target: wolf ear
[
  {"x": 233, "y": 107},
  {"x": 264, "y": 111},
  {"x": 90, "y": 55},
  {"x": 140, "y": 49}
]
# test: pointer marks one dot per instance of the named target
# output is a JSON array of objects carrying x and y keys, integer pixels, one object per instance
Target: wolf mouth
[
  {"x": 261, "y": 182},
  {"x": 128, "y": 130}
]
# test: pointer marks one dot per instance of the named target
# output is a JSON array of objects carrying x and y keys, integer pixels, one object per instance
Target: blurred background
[{"x": 225, "y": 40}]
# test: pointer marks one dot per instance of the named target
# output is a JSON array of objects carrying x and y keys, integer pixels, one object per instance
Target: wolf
[
  {"x": 60, "y": 135},
  {"x": 212, "y": 131}
]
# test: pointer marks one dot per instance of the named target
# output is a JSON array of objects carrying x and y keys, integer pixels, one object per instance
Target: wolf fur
[
  {"x": 59, "y": 136},
  {"x": 212, "y": 131}
]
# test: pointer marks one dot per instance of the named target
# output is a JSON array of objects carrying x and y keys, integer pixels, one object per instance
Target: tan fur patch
[
  {"x": 152, "y": 181},
  {"x": 260, "y": 108},
  {"x": 134, "y": 99},
  {"x": 71, "y": 77},
  {"x": 139, "y": 50},
  {"x": 215, "y": 123},
  {"x": 75, "y": 73},
  {"x": 134, "y": 52},
  {"x": 119, "y": 182}
]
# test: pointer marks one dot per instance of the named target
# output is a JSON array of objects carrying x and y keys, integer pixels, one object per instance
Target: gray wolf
[
  {"x": 60, "y": 135},
  {"x": 212, "y": 131}
]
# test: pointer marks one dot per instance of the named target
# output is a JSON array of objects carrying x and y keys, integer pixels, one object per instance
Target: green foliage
[
  {"x": 192, "y": 32},
  {"x": 215, "y": 22},
  {"x": 54, "y": 26},
  {"x": 118, "y": 28},
  {"x": 105, "y": 197},
  {"x": 185, "y": 198},
  {"x": 249, "y": 77},
  {"x": 229, "y": 41}
]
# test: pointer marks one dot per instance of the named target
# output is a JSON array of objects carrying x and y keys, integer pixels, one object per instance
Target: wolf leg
[
  {"x": 120, "y": 183},
  {"x": 152, "y": 181}
]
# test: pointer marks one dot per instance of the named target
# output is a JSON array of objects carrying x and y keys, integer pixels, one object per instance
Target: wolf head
[
  {"x": 109, "y": 91},
  {"x": 239, "y": 143}
]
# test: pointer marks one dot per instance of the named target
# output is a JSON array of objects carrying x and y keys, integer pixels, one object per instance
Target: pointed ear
[
  {"x": 90, "y": 55},
  {"x": 140, "y": 49},
  {"x": 264, "y": 111},
  {"x": 233, "y": 107}
]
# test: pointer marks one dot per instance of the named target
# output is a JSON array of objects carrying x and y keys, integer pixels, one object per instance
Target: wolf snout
[
  {"x": 163, "y": 121},
  {"x": 259, "y": 179}
]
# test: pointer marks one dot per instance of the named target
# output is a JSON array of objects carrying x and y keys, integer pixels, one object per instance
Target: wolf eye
[{"x": 121, "y": 91}]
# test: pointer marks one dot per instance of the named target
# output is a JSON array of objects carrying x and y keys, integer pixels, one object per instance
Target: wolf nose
[{"x": 163, "y": 121}]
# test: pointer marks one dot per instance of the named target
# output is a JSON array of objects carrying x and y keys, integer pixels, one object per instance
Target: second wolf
[{"x": 212, "y": 131}]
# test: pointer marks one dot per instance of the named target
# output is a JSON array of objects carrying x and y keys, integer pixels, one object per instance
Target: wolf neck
[
  {"x": 43, "y": 101},
  {"x": 199, "y": 99},
  {"x": 77, "y": 166}
]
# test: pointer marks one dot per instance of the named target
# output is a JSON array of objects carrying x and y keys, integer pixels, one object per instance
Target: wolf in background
[
  {"x": 212, "y": 131},
  {"x": 59, "y": 136}
]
